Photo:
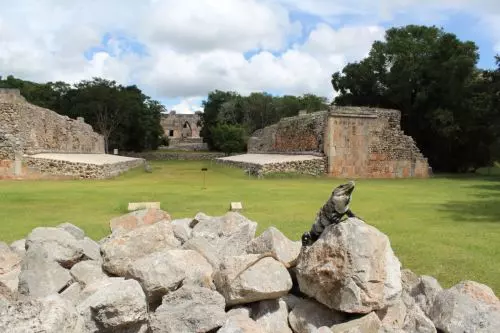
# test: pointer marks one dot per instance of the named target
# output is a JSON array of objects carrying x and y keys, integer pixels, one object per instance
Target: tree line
[
  {"x": 127, "y": 118},
  {"x": 229, "y": 118},
  {"x": 448, "y": 105}
]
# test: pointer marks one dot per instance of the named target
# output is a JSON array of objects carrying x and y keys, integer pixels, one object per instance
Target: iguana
[{"x": 331, "y": 213}]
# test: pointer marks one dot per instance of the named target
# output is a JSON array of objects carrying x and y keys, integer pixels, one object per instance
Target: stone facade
[
  {"x": 181, "y": 125},
  {"x": 356, "y": 141},
  {"x": 27, "y": 130},
  {"x": 183, "y": 131}
]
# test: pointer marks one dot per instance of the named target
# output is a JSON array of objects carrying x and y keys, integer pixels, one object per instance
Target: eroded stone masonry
[
  {"x": 183, "y": 131},
  {"x": 27, "y": 130},
  {"x": 355, "y": 141}
]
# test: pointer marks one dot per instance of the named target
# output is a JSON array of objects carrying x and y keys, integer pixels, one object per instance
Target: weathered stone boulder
[
  {"x": 367, "y": 324},
  {"x": 273, "y": 241},
  {"x": 350, "y": 268},
  {"x": 72, "y": 293},
  {"x": 87, "y": 272},
  {"x": 137, "y": 219},
  {"x": 182, "y": 229},
  {"x": 416, "y": 321},
  {"x": 6, "y": 294},
  {"x": 425, "y": 291},
  {"x": 308, "y": 316},
  {"x": 50, "y": 314},
  {"x": 203, "y": 247},
  {"x": 162, "y": 272},
  {"x": 250, "y": 278},
  {"x": 393, "y": 316},
  {"x": 10, "y": 267},
  {"x": 190, "y": 309},
  {"x": 9, "y": 260},
  {"x": 62, "y": 246},
  {"x": 11, "y": 279},
  {"x": 93, "y": 287},
  {"x": 77, "y": 232},
  {"x": 40, "y": 274},
  {"x": 19, "y": 247},
  {"x": 239, "y": 321},
  {"x": 119, "y": 306},
  {"x": 120, "y": 251},
  {"x": 228, "y": 234},
  {"x": 466, "y": 307},
  {"x": 271, "y": 315},
  {"x": 291, "y": 301},
  {"x": 91, "y": 249}
]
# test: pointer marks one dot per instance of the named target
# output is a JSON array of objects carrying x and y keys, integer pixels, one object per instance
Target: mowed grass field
[{"x": 447, "y": 227}]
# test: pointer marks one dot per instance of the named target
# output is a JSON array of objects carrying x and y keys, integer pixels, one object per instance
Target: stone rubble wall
[
  {"x": 299, "y": 134},
  {"x": 48, "y": 132},
  {"x": 77, "y": 170},
  {"x": 207, "y": 274},
  {"x": 28, "y": 129},
  {"x": 314, "y": 167},
  {"x": 10, "y": 125}
]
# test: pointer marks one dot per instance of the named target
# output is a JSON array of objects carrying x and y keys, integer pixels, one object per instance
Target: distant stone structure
[
  {"x": 183, "y": 131},
  {"x": 27, "y": 130},
  {"x": 355, "y": 141}
]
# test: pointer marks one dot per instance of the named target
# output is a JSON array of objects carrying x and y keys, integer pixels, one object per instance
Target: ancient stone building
[
  {"x": 28, "y": 132},
  {"x": 183, "y": 131},
  {"x": 181, "y": 126},
  {"x": 355, "y": 142}
]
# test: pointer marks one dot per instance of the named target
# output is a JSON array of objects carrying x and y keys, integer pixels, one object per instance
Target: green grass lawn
[{"x": 447, "y": 227}]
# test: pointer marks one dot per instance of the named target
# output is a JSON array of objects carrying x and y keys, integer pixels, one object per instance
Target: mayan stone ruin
[
  {"x": 36, "y": 143},
  {"x": 353, "y": 141},
  {"x": 183, "y": 131}
]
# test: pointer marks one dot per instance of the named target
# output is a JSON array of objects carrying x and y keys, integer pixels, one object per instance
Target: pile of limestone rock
[{"x": 211, "y": 274}]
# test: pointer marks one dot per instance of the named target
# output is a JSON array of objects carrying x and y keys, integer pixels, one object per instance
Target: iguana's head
[{"x": 342, "y": 195}]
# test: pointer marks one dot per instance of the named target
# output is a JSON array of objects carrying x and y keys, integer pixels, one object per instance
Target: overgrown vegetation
[
  {"x": 251, "y": 112},
  {"x": 449, "y": 106}
]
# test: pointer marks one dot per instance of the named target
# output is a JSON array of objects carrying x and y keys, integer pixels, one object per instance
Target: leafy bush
[{"x": 229, "y": 138}]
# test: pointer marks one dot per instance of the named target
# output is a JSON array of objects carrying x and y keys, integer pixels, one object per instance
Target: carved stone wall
[
  {"x": 181, "y": 125},
  {"x": 369, "y": 142},
  {"x": 357, "y": 142}
]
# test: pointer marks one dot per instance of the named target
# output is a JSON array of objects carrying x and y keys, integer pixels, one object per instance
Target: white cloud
[
  {"x": 196, "y": 46},
  {"x": 188, "y": 105}
]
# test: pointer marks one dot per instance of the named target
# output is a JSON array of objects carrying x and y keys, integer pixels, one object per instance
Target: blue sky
[{"x": 177, "y": 52}]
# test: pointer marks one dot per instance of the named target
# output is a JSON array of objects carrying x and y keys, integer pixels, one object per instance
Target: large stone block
[{"x": 350, "y": 268}]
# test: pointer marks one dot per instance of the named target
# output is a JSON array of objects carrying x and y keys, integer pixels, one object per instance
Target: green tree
[
  {"x": 429, "y": 75},
  {"x": 229, "y": 138},
  {"x": 211, "y": 108}
]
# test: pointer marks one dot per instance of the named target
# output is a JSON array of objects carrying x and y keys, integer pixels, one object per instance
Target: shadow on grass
[{"x": 483, "y": 206}]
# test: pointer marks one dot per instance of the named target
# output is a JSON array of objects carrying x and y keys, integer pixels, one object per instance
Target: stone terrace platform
[
  {"x": 261, "y": 164},
  {"x": 81, "y": 166}
]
